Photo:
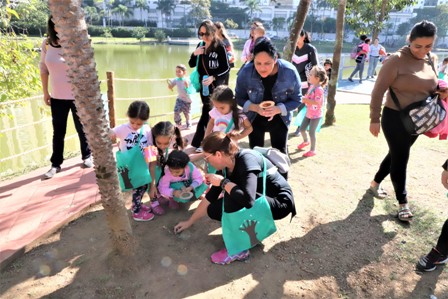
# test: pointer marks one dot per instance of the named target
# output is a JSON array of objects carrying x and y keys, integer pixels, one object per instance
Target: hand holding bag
[
  {"x": 243, "y": 229},
  {"x": 422, "y": 116},
  {"x": 133, "y": 171},
  {"x": 194, "y": 76}
]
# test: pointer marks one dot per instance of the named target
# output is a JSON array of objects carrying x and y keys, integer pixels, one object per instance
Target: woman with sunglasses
[
  {"x": 240, "y": 176},
  {"x": 213, "y": 62}
]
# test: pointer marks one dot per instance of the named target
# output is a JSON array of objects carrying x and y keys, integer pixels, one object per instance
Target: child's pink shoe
[
  {"x": 157, "y": 208},
  {"x": 303, "y": 145},
  {"x": 309, "y": 154},
  {"x": 143, "y": 216},
  {"x": 145, "y": 208},
  {"x": 222, "y": 257}
]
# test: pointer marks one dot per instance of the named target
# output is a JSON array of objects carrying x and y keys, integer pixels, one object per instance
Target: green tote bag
[
  {"x": 243, "y": 229},
  {"x": 133, "y": 171},
  {"x": 195, "y": 81}
]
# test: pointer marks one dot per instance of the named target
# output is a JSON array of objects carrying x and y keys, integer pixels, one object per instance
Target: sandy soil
[{"x": 342, "y": 244}]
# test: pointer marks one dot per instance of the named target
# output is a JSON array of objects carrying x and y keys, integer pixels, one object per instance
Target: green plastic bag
[
  {"x": 195, "y": 77},
  {"x": 133, "y": 171},
  {"x": 243, "y": 229}
]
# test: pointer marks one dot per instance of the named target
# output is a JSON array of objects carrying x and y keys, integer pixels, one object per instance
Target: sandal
[
  {"x": 405, "y": 214},
  {"x": 377, "y": 192}
]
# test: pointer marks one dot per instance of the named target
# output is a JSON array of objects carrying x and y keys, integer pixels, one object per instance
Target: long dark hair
[
  {"x": 307, "y": 36},
  {"x": 210, "y": 29},
  {"x": 224, "y": 94},
  {"x": 52, "y": 36},
  {"x": 139, "y": 110},
  {"x": 165, "y": 128}
]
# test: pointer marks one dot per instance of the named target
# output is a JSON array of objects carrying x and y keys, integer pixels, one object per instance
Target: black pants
[
  {"x": 442, "y": 243},
  {"x": 203, "y": 121},
  {"x": 277, "y": 129},
  {"x": 281, "y": 206},
  {"x": 396, "y": 161},
  {"x": 59, "y": 114}
]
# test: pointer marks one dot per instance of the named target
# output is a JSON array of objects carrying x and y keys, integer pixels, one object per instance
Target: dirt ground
[{"x": 342, "y": 244}]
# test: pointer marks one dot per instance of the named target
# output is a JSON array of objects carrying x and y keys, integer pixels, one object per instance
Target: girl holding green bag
[
  {"x": 133, "y": 171},
  {"x": 243, "y": 175}
]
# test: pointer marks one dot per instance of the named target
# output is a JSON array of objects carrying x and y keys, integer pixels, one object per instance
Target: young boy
[{"x": 183, "y": 101}]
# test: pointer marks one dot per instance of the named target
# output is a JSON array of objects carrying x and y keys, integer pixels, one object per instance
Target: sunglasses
[{"x": 201, "y": 34}]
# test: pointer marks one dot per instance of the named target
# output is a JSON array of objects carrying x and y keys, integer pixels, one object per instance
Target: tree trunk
[
  {"x": 78, "y": 53},
  {"x": 376, "y": 30},
  {"x": 330, "y": 118},
  {"x": 299, "y": 20}
]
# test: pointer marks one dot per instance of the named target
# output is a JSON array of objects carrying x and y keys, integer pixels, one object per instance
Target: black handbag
[{"x": 421, "y": 116}]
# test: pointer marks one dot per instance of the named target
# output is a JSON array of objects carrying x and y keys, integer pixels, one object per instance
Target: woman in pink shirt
[{"x": 61, "y": 100}]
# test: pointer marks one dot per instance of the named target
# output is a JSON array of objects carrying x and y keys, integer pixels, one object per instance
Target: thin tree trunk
[
  {"x": 299, "y": 20},
  {"x": 78, "y": 53},
  {"x": 376, "y": 30},
  {"x": 330, "y": 118}
]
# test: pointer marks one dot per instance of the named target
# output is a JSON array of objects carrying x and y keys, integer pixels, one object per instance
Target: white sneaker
[
  {"x": 88, "y": 163},
  {"x": 199, "y": 150},
  {"x": 53, "y": 170}
]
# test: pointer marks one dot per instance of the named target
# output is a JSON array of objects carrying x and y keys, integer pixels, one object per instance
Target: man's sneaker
[
  {"x": 143, "y": 216},
  {"x": 429, "y": 262},
  {"x": 199, "y": 150},
  {"x": 88, "y": 163},
  {"x": 53, "y": 170},
  {"x": 223, "y": 258}
]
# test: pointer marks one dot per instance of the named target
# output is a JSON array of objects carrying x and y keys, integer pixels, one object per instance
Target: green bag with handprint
[{"x": 243, "y": 229}]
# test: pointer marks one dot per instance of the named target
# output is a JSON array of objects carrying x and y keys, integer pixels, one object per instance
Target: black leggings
[
  {"x": 277, "y": 129},
  {"x": 203, "y": 121},
  {"x": 396, "y": 161},
  {"x": 442, "y": 244}
]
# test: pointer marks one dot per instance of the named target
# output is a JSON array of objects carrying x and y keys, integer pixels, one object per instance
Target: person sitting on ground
[{"x": 242, "y": 182}]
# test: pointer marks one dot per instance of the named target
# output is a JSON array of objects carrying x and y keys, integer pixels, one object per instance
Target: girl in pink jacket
[{"x": 182, "y": 181}]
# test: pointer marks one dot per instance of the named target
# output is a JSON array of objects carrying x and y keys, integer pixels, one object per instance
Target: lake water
[{"x": 29, "y": 130}]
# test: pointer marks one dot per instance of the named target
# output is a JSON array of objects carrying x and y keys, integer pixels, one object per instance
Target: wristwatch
[{"x": 224, "y": 182}]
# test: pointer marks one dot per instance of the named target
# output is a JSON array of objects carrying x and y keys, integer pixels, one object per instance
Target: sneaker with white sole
[
  {"x": 53, "y": 170},
  {"x": 143, "y": 216},
  {"x": 430, "y": 261},
  {"x": 88, "y": 163}
]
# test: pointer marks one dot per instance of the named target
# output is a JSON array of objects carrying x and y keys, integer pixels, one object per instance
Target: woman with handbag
[
  {"x": 210, "y": 58},
  {"x": 409, "y": 76},
  {"x": 242, "y": 175}
]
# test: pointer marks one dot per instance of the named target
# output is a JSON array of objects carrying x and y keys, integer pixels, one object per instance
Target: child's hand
[
  {"x": 189, "y": 189},
  {"x": 153, "y": 192},
  {"x": 177, "y": 193},
  {"x": 214, "y": 179}
]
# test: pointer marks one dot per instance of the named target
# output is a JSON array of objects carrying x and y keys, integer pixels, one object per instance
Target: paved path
[{"x": 32, "y": 208}]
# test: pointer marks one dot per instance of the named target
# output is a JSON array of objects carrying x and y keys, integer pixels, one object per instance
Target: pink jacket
[{"x": 165, "y": 181}]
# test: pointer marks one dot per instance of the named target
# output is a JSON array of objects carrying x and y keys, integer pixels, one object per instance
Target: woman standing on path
[
  {"x": 242, "y": 169},
  {"x": 268, "y": 78},
  {"x": 61, "y": 100},
  {"x": 410, "y": 75},
  {"x": 374, "y": 57},
  {"x": 213, "y": 62}
]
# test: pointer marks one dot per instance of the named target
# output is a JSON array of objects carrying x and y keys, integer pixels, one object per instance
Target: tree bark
[
  {"x": 78, "y": 54},
  {"x": 381, "y": 17},
  {"x": 299, "y": 20},
  {"x": 330, "y": 118}
]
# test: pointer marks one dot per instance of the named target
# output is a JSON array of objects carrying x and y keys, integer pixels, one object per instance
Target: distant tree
[
  {"x": 122, "y": 12},
  {"x": 166, "y": 8},
  {"x": 329, "y": 25},
  {"x": 33, "y": 14},
  {"x": 222, "y": 11},
  {"x": 200, "y": 10},
  {"x": 230, "y": 24},
  {"x": 92, "y": 14},
  {"x": 403, "y": 28},
  {"x": 253, "y": 6},
  {"x": 140, "y": 33},
  {"x": 142, "y": 5},
  {"x": 278, "y": 23}
]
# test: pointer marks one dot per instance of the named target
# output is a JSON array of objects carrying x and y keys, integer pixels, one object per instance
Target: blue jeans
[{"x": 373, "y": 62}]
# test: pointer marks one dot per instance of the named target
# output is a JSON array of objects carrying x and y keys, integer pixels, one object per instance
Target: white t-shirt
[
  {"x": 128, "y": 137},
  {"x": 223, "y": 120}
]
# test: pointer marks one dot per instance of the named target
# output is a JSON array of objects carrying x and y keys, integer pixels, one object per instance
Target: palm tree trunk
[
  {"x": 302, "y": 11},
  {"x": 330, "y": 118},
  {"x": 78, "y": 53}
]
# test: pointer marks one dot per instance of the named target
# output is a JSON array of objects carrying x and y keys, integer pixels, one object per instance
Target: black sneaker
[
  {"x": 429, "y": 262},
  {"x": 350, "y": 79}
]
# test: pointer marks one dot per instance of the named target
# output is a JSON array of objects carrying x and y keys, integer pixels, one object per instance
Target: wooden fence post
[{"x": 111, "y": 100}]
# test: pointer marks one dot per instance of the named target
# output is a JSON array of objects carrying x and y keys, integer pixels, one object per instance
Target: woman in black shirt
[
  {"x": 214, "y": 63},
  {"x": 243, "y": 185}
]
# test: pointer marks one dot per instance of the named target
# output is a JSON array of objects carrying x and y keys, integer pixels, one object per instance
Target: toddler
[
  {"x": 183, "y": 101},
  {"x": 180, "y": 177}
]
